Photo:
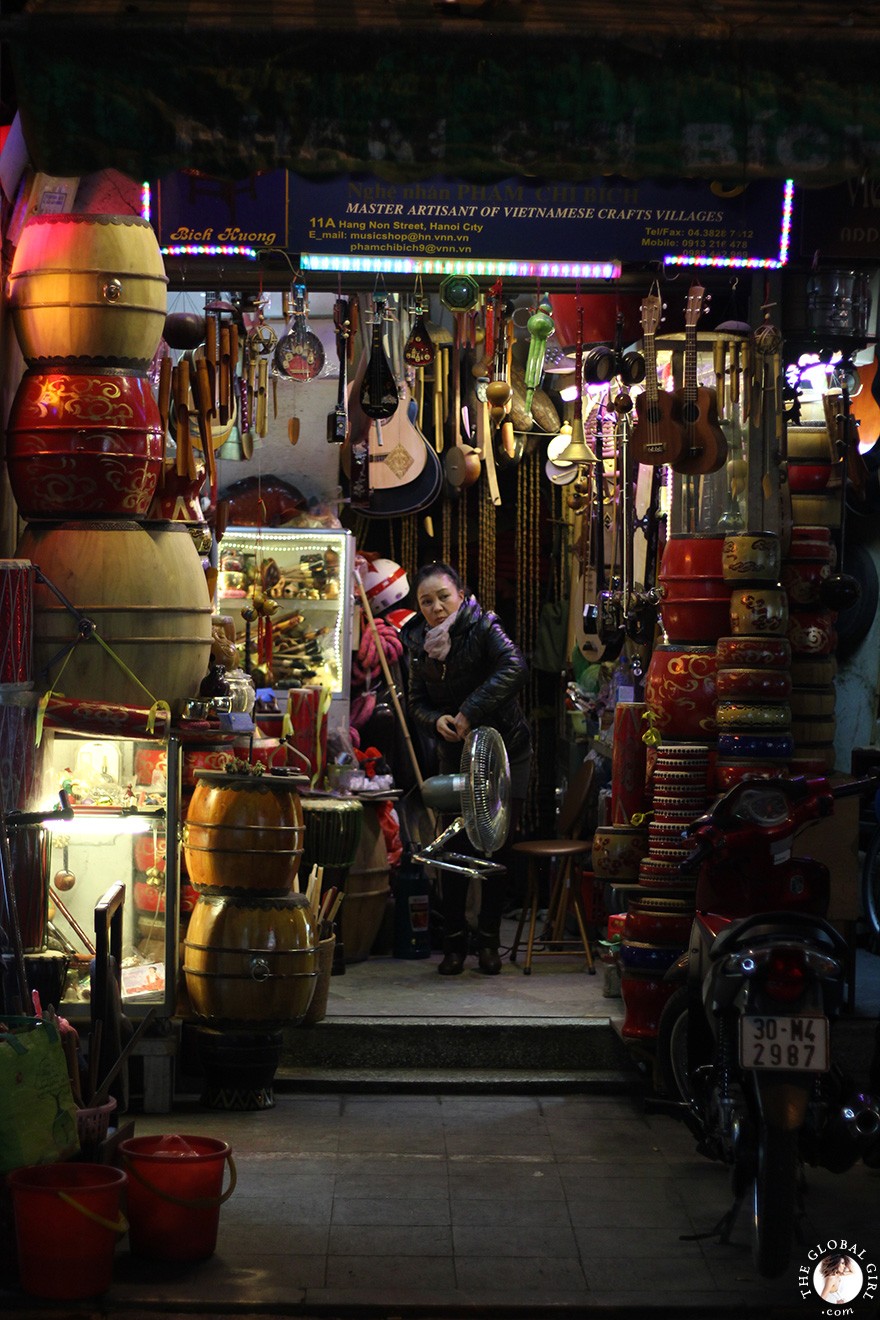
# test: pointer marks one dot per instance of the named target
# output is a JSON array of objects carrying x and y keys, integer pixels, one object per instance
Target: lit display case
[
  {"x": 125, "y": 795},
  {"x": 307, "y": 575}
]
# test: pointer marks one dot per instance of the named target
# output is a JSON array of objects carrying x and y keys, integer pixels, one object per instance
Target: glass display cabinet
[
  {"x": 306, "y": 574},
  {"x": 125, "y": 795}
]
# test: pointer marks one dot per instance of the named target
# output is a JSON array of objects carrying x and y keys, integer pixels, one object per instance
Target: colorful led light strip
[
  {"x": 550, "y": 270},
  {"x": 750, "y": 263},
  {"x": 209, "y": 250},
  {"x": 146, "y": 201}
]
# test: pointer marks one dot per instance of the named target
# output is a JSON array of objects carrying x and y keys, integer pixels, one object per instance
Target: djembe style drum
[
  {"x": 333, "y": 828},
  {"x": 332, "y": 833}
]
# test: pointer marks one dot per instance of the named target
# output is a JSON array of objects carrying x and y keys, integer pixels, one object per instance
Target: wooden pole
[{"x": 392, "y": 691}]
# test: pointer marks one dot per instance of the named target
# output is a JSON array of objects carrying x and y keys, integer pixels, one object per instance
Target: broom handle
[{"x": 368, "y": 614}]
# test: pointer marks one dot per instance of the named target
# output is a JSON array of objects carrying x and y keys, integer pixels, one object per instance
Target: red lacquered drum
[
  {"x": 88, "y": 290},
  {"x": 644, "y": 996},
  {"x": 659, "y": 920},
  {"x": 807, "y": 475},
  {"x": 244, "y": 833},
  {"x": 752, "y": 684},
  {"x": 692, "y": 556},
  {"x": 802, "y": 579},
  {"x": 250, "y": 960},
  {"x": 696, "y": 618},
  {"x": 728, "y": 774},
  {"x": 83, "y": 446},
  {"x": 753, "y": 653},
  {"x": 680, "y": 690},
  {"x": 812, "y": 632}
]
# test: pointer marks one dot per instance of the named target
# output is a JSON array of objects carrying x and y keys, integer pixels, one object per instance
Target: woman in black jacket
[{"x": 465, "y": 672}]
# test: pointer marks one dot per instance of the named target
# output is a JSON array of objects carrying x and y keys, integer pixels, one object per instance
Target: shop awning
[{"x": 407, "y": 89}]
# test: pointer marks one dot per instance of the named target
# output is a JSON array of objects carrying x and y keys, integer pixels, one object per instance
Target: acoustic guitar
[
  {"x": 656, "y": 437},
  {"x": 695, "y": 407}
]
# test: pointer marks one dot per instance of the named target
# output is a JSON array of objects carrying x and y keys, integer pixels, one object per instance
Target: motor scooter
[{"x": 743, "y": 1048}]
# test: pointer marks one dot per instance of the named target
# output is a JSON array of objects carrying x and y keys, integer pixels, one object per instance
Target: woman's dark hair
[
  {"x": 833, "y": 1261},
  {"x": 435, "y": 570}
]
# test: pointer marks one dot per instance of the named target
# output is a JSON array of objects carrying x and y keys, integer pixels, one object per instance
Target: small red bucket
[
  {"x": 175, "y": 1194},
  {"x": 67, "y": 1223}
]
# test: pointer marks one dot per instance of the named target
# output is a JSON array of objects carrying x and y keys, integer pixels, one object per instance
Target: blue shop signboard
[{"x": 627, "y": 220}]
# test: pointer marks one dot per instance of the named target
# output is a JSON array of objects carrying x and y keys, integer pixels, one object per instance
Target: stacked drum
[
  {"x": 806, "y": 569},
  {"x": 681, "y": 700},
  {"x": 661, "y": 906},
  {"x": 249, "y": 953},
  {"x": 87, "y": 296},
  {"x": 753, "y": 715},
  {"x": 620, "y": 845}
]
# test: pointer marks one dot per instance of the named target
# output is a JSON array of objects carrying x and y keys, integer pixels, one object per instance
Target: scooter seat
[{"x": 763, "y": 926}]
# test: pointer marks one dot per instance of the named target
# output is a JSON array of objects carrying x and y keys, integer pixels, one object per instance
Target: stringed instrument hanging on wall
[{"x": 695, "y": 406}]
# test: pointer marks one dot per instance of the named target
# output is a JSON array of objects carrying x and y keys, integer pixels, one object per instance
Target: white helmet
[{"x": 384, "y": 582}]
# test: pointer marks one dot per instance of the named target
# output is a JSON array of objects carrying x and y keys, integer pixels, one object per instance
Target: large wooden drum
[
  {"x": 87, "y": 290},
  {"x": 244, "y": 833},
  {"x": 145, "y": 590},
  {"x": 367, "y": 890},
  {"x": 250, "y": 961},
  {"x": 83, "y": 446}
]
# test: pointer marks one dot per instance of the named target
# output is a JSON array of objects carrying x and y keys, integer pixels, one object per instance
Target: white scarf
[{"x": 437, "y": 639}]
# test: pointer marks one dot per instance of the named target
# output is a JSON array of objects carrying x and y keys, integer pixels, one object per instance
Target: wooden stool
[{"x": 563, "y": 896}]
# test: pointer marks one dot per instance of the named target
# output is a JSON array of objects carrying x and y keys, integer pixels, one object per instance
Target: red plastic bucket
[
  {"x": 67, "y": 1223},
  {"x": 175, "y": 1194}
]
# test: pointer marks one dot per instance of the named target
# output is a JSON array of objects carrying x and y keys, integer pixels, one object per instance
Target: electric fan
[{"x": 480, "y": 791}]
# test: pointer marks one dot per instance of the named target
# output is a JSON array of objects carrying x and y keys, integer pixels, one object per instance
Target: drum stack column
[{"x": 250, "y": 950}]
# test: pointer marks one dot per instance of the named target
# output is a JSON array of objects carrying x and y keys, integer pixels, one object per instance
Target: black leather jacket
[{"x": 480, "y": 677}]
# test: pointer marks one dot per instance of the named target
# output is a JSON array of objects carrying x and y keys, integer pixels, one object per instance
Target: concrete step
[{"x": 462, "y": 1053}]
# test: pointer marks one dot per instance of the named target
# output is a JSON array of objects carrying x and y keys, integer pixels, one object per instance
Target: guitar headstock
[
  {"x": 651, "y": 313},
  {"x": 694, "y": 307}
]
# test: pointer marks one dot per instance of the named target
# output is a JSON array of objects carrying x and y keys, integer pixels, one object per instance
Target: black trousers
[{"x": 455, "y": 893}]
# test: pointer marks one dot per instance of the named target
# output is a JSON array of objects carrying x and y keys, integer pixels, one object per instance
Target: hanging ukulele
[
  {"x": 656, "y": 437},
  {"x": 695, "y": 406}
]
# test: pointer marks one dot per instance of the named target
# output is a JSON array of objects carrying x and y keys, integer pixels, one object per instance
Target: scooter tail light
[{"x": 785, "y": 974}]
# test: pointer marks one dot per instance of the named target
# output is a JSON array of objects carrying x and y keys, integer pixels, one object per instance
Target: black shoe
[
  {"x": 490, "y": 963},
  {"x": 452, "y": 964}
]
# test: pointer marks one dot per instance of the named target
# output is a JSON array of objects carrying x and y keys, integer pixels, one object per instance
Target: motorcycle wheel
[
  {"x": 672, "y": 1047},
  {"x": 774, "y": 1201}
]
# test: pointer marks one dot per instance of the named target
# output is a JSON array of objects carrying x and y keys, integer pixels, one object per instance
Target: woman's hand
[{"x": 446, "y": 727}]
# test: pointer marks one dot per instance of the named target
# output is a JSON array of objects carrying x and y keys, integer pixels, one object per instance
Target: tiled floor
[
  {"x": 509, "y": 1202},
  {"x": 448, "y": 1204}
]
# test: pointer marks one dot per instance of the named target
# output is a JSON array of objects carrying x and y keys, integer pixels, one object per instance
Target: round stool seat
[{"x": 553, "y": 847}]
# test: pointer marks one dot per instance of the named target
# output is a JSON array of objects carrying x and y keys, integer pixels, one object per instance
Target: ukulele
[
  {"x": 656, "y": 437},
  {"x": 695, "y": 407}
]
